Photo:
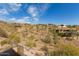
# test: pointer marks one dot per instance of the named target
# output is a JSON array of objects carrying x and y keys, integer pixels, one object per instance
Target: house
[
  {"x": 62, "y": 28},
  {"x": 64, "y": 31}
]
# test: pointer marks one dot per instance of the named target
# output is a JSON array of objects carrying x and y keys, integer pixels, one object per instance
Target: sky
[{"x": 40, "y": 13}]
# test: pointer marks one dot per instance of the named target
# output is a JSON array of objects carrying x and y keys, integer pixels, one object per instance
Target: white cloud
[
  {"x": 3, "y": 12},
  {"x": 37, "y": 10},
  {"x": 21, "y": 20},
  {"x": 35, "y": 19},
  {"x": 13, "y": 19},
  {"x": 33, "y": 11},
  {"x": 14, "y": 6},
  {"x": 43, "y": 8}
]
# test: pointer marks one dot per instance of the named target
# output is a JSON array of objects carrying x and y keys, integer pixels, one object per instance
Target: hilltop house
[{"x": 64, "y": 31}]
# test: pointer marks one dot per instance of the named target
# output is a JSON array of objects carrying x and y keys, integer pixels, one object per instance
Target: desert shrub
[
  {"x": 55, "y": 38},
  {"x": 47, "y": 39},
  {"x": 65, "y": 50},
  {"x": 65, "y": 34},
  {"x": 3, "y": 33},
  {"x": 14, "y": 38},
  {"x": 51, "y": 30},
  {"x": 30, "y": 41},
  {"x": 3, "y": 42}
]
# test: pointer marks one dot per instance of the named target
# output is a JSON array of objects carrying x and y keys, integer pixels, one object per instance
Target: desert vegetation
[{"x": 41, "y": 39}]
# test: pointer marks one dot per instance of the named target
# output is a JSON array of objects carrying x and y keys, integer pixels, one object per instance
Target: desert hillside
[{"x": 39, "y": 39}]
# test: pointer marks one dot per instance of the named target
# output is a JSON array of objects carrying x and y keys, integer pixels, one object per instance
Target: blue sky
[{"x": 54, "y": 13}]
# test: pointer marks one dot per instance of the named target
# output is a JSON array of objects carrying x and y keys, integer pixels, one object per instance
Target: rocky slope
[{"x": 37, "y": 39}]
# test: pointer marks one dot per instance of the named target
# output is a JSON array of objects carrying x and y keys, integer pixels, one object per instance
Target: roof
[{"x": 62, "y": 28}]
